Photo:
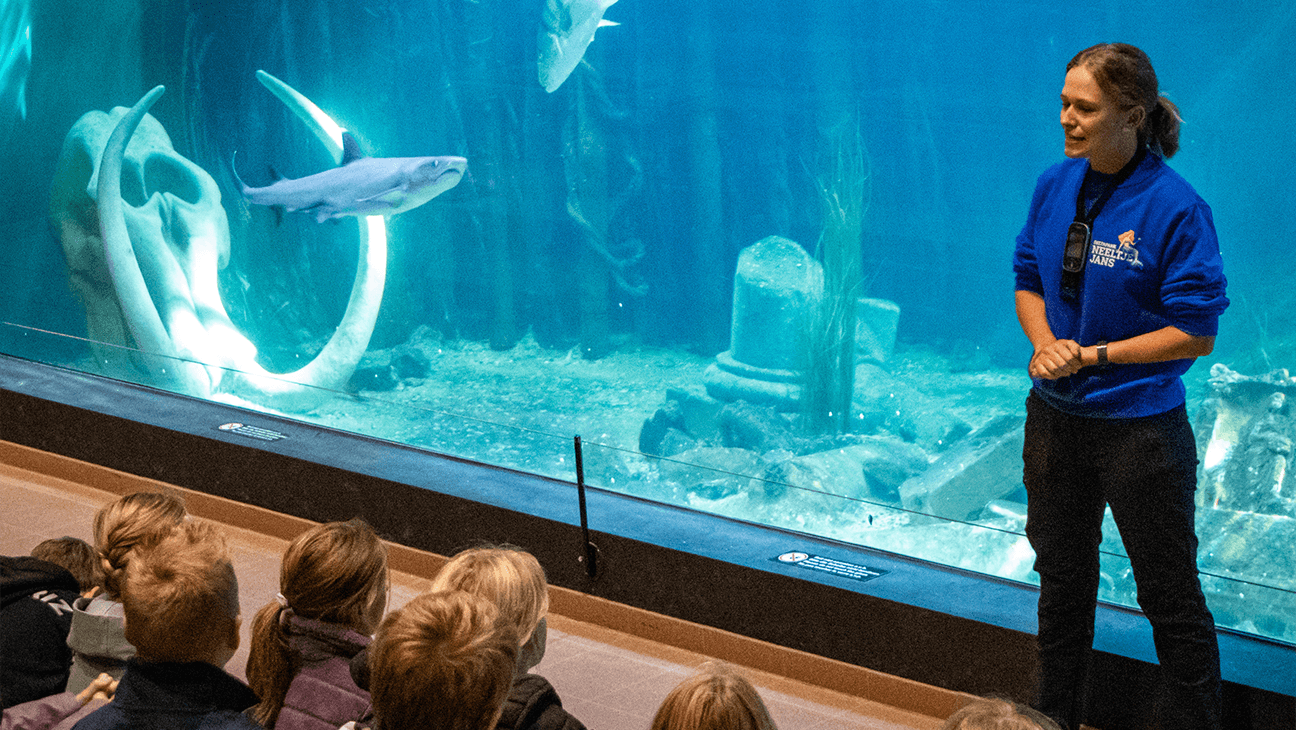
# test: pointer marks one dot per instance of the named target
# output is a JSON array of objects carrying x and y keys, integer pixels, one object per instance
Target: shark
[
  {"x": 566, "y": 29},
  {"x": 361, "y": 186}
]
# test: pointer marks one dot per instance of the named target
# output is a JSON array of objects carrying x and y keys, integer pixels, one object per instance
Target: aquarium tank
[{"x": 757, "y": 255}]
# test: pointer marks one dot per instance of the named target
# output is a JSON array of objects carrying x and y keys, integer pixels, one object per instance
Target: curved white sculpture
[{"x": 149, "y": 276}]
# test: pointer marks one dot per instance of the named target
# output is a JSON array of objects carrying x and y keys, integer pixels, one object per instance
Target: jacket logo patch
[
  {"x": 59, "y": 605},
  {"x": 1107, "y": 254}
]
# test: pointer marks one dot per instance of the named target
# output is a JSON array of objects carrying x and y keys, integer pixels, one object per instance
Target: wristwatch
[{"x": 1102, "y": 353}]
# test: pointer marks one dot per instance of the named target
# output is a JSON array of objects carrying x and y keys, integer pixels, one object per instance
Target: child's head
[
  {"x": 442, "y": 662},
  {"x": 715, "y": 698},
  {"x": 513, "y": 580},
  {"x": 335, "y": 572},
  {"x": 132, "y": 521},
  {"x": 181, "y": 597},
  {"x": 74, "y": 555},
  {"x": 996, "y": 714}
]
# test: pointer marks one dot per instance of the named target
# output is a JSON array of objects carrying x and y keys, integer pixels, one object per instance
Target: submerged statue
[{"x": 145, "y": 234}]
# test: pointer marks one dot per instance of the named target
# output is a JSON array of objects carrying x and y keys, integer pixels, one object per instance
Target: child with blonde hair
[
  {"x": 333, "y": 590},
  {"x": 992, "y": 713},
  {"x": 717, "y": 697},
  {"x": 180, "y": 597},
  {"x": 513, "y": 580},
  {"x": 97, "y": 638},
  {"x": 444, "y": 661}
]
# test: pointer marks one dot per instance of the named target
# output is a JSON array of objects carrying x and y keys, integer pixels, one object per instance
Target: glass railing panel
[{"x": 503, "y": 410}]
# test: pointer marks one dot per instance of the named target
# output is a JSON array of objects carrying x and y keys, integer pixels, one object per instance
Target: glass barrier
[
  {"x": 757, "y": 254},
  {"x": 818, "y": 494}
]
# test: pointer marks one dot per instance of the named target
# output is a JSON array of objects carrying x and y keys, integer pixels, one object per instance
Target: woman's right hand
[{"x": 1057, "y": 359}]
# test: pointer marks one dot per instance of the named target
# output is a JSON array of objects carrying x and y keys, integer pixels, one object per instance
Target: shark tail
[{"x": 243, "y": 188}]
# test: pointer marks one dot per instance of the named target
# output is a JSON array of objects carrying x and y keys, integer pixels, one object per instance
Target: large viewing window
[{"x": 757, "y": 255}]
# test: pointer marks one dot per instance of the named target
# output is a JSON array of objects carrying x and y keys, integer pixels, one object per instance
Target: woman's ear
[{"x": 1137, "y": 117}]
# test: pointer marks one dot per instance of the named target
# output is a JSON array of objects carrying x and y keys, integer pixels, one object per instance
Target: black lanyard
[{"x": 1080, "y": 232}]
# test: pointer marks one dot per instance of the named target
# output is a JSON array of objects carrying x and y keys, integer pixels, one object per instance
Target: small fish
[
  {"x": 362, "y": 186},
  {"x": 566, "y": 30}
]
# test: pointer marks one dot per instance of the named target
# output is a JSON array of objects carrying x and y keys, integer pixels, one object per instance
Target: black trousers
[{"x": 1146, "y": 469}]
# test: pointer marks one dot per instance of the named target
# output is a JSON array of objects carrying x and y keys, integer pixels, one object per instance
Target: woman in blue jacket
[{"x": 1119, "y": 287}]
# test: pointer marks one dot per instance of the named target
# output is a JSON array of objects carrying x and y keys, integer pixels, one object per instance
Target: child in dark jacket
[
  {"x": 181, "y": 605},
  {"x": 333, "y": 591},
  {"x": 35, "y": 615}
]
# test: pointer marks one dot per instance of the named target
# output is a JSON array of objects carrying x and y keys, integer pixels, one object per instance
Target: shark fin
[
  {"x": 390, "y": 196},
  {"x": 350, "y": 149},
  {"x": 604, "y": 23},
  {"x": 274, "y": 174}
]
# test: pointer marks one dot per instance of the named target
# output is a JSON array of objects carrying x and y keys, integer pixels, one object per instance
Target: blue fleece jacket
[{"x": 1154, "y": 262}]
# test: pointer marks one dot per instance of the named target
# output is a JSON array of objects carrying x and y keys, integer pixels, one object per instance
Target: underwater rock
[
  {"x": 382, "y": 370},
  {"x": 872, "y": 471},
  {"x": 653, "y": 433},
  {"x": 677, "y": 442},
  {"x": 689, "y": 411},
  {"x": 712, "y": 472},
  {"x": 876, "y": 321},
  {"x": 1233, "y": 546},
  {"x": 1257, "y": 472},
  {"x": 974, "y": 472},
  {"x": 889, "y": 462},
  {"x": 755, "y": 427},
  {"x": 777, "y": 285},
  {"x": 700, "y": 412},
  {"x": 1248, "y": 453},
  {"x": 885, "y": 403},
  {"x": 828, "y": 472}
]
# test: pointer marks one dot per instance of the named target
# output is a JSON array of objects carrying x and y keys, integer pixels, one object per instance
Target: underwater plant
[{"x": 829, "y": 340}]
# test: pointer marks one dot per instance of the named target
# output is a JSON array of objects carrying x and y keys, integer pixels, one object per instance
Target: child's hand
[{"x": 102, "y": 688}]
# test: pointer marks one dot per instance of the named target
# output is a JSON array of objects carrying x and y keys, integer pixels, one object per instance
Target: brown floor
[{"x": 610, "y": 679}]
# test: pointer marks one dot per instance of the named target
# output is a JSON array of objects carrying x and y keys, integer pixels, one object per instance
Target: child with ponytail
[
  {"x": 98, "y": 637},
  {"x": 333, "y": 591}
]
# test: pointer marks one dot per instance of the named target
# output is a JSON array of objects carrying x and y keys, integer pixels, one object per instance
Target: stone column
[{"x": 776, "y": 287}]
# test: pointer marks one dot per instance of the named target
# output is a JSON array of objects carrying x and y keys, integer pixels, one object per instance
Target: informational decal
[
  {"x": 252, "y": 432},
  {"x": 828, "y": 565}
]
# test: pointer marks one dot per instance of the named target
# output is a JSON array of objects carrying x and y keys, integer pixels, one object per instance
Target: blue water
[{"x": 608, "y": 215}]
